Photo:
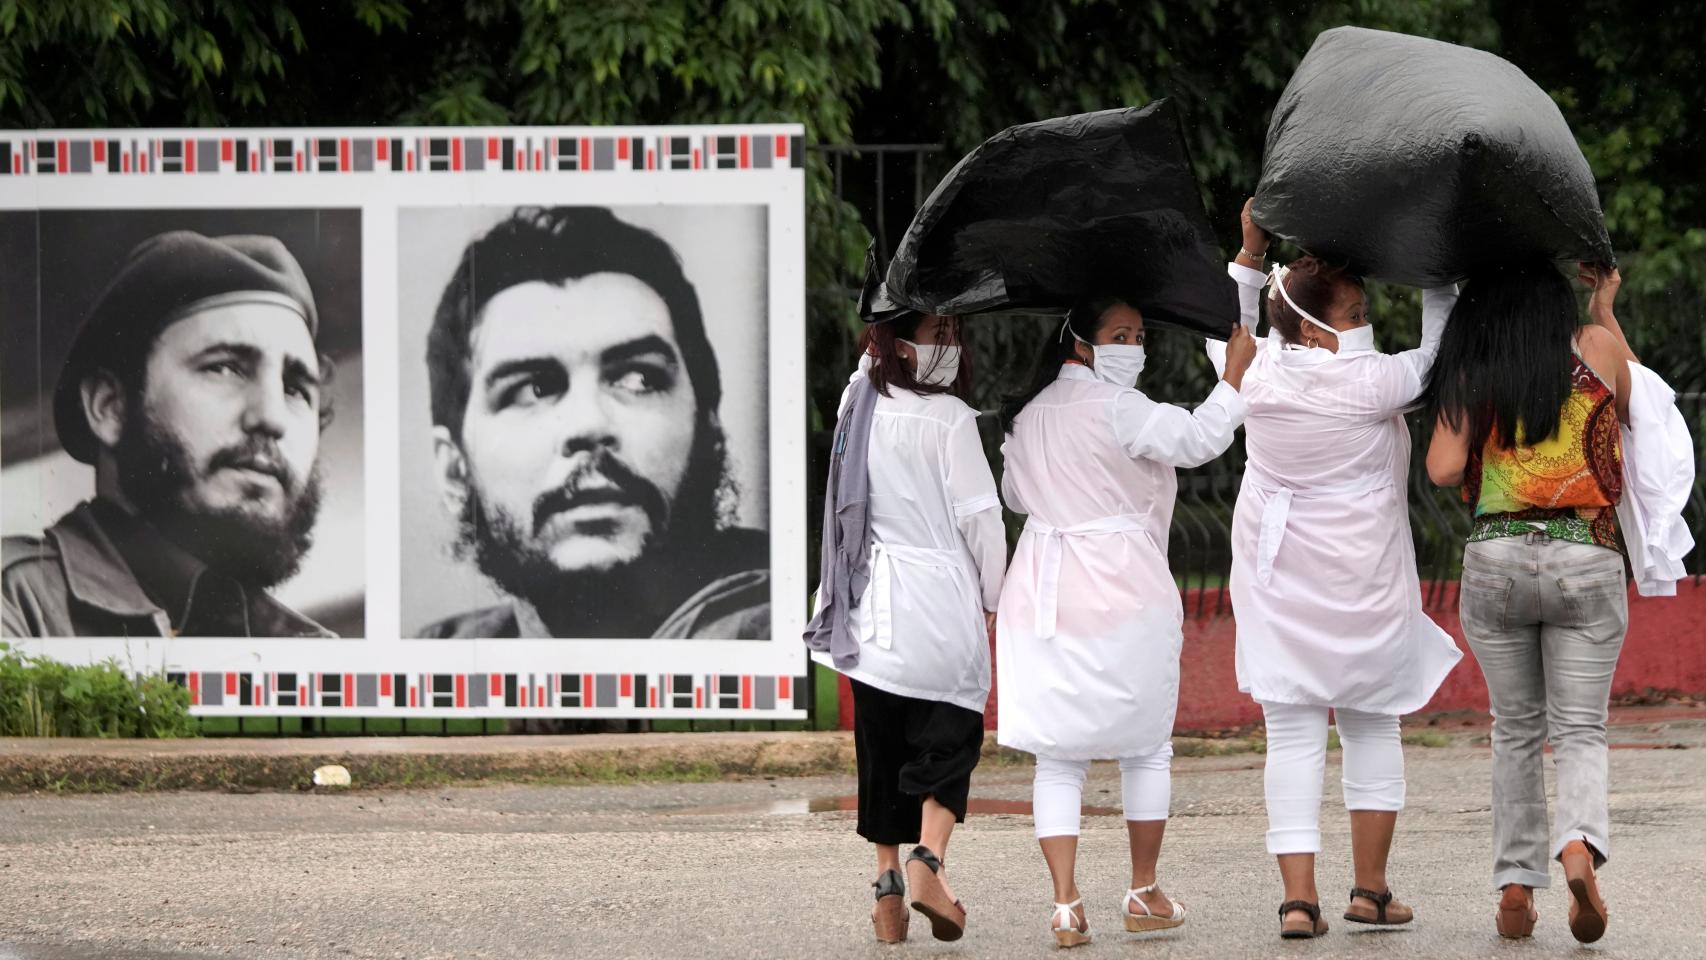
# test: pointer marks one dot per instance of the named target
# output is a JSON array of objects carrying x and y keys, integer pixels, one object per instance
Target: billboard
[{"x": 418, "y": 422}]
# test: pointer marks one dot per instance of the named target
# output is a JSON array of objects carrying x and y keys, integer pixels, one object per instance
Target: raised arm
[
  {"x": 1246, "y": 271},
  {"x": 1173, "y": 435}
]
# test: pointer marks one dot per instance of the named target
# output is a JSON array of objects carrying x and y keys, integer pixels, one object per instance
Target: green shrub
[{"x": 40, "y": 697}]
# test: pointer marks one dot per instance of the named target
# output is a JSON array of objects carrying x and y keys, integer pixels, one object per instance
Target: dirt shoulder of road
[{"x": 250, "y": 764}]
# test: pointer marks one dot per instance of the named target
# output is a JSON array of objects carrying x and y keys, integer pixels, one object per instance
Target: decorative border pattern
[
  {"x": 255, "y": 153},
  {"x": 547, "y": 692}
]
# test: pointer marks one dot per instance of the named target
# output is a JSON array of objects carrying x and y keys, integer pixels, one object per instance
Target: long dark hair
[
  {"x": 1056, "y": 347},
  {"x": 1504, "y": 362},
  {"x": 889, "y": 368}
]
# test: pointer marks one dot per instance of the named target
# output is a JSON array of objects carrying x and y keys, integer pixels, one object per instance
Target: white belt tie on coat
[
  {"x": 1278, "y": 509},
  {"x": 880, "y": 626},
  {"x": 1048, "y": 581}
]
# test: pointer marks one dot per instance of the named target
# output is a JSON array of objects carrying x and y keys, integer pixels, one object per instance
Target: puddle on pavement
[{"x": 805, "y": 806}]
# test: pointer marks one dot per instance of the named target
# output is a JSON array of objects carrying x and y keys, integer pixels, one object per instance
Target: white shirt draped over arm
[
  {"x": 1173, "y": 435},
  {"x": 977, "y": 510}
]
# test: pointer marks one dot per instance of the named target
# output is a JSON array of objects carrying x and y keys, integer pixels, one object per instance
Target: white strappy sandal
[
  {"x": 1147, "y": 921},
  {"x": 1065, "y": 925}
]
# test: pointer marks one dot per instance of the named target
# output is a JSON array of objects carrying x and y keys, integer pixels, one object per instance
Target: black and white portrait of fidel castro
[
  {"x": 196, "y": 391},
  {"x": 577, "y": 441}
]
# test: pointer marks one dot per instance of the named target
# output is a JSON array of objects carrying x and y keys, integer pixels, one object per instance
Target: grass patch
[
  {"x": 40, "y": 697},
  {"x": 1426, "y": 738}
]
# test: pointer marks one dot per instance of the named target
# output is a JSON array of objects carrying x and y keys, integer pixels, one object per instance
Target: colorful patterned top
[{"x": 1566, "y": 486}]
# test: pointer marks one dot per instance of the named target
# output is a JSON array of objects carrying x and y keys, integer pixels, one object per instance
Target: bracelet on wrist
[{"x": 1258, "y": 257}]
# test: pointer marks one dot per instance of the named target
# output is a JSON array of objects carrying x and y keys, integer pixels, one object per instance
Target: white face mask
[
  {"x": 1117, "y": 363},
  {"x": 1355, "y": 340},
  {"x": 938, "y": 364}
]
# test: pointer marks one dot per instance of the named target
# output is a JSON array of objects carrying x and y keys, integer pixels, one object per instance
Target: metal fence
[{"x": 886, "y": 183}]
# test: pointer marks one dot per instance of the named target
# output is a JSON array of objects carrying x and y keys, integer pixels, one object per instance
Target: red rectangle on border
[
  {"x": 461, "y": 690},
  {"x": 746, "y": 693},
  {"x": 349, "y": 689},
  {"x": 299, "y": 164},
  {"x": 651, "y": 159},
  {"x": 456, "y": 153},
  {"x": 382, "y": 150},
  {"x": 227, "y": 151},
  {"x": 539, "y": 701},
  {"x": 745, "y": 152},
  {"x": 523, "y": 693},
  {"x": 695, "y": 158},
  {"x": 343, "y": 156},
  {"x": 62, "y": 156},
  {"x": 124, "y": 163},
  {"x": 409, "y": 161},
  {"x": 586, "y": 153},
  {"x": 385, "y": 684},
  {"x": 626, "y": 689},
  {"x": 412, "y": 696},
  {"x": 652, "y": 697},
  {"x": 100, "y": 151},
  {"x": 302, "y": 696},
  {"x": 538, "y": 159},
  {"x": 784, "y": 687},
  {"x": 231, "y": 684},
  {"x": 497, "y": 685},
  {"x": 622, "y": 148},
  {"x": 698, "y": 697},
  {"x": 254, "y": 162},
  {"x": 493, "y": 148},
  {"x": 781, "y": 146},
  {"x": 195, "y": 689},
  {"x": 189, "y": 156},
  {"x": 587, "y": 697}
]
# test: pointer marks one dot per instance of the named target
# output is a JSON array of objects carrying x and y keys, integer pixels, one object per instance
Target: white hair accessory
[{"x": 1277, "y": 278}]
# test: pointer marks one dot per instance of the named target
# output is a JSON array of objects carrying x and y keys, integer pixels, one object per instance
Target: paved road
[{"x": 773, "y": 869}]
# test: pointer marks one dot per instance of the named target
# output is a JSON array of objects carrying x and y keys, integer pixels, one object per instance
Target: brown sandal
[
  {"x": 947, "y": 917},
  {"x": 1588, "y": 915},
  {"x": 889, "y": 916},
  {"x": 1516, "y": 917},
  {"x": 1387, "y": 911},
  {"x": 1315, "y": 926}
]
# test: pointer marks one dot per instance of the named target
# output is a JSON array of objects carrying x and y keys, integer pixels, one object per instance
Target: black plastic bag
[
  {"x": 1045, "y": 214},
  {"x": 1415, "y": 161}
]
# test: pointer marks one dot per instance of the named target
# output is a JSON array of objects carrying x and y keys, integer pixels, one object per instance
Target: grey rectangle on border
[
  {"x": 82, "y": 154},
  {"x": 764, "y": 693},
  {"x": 604, "y": 154},
  {"x": 605, "y": 685},
  {"x": 361, "y": 154},
  {"x": 762, "y": 148},
  {"x": 473, "y": 154},
  {"x": 212, "y": 689},
  {"x": 479, "y": 685},
  {"x": 207, "y": 156},
  {"x": 367, "y": 689}
]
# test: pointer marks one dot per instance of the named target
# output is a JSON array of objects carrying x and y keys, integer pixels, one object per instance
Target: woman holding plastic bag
[
  {"x": 1088, "y": 636},
  {"x": 913, "y": 557},
  {"x": 1323, "y": 577}
]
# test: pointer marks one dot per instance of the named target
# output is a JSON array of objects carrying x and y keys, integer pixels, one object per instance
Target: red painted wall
[{"x": 1665, "y": 650}]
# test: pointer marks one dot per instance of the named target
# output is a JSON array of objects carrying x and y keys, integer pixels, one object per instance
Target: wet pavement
[{"x": 772, "y": 868}]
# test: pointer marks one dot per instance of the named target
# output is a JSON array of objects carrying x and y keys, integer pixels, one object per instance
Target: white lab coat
[
  {"x": 1088, "y": 633},
  {"x": 938, "y": 552},
  {"x": 1323, "y": 581},
  {"x": 1658, "y": 476}
]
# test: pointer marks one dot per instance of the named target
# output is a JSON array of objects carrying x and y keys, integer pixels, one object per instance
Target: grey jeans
[{"x": 1546, "y": 620}]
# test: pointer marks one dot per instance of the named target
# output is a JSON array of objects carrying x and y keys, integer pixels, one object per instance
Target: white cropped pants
[
  {"x": 1057, "y": 793},
  {"x": 1297, "y": 761}
]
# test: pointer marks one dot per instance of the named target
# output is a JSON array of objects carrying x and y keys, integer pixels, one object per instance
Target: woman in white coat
[
  {"x": 1323, "y": 578},
  {"x": 1088, "y": 633},
  {"x": 906, "y": 619}
]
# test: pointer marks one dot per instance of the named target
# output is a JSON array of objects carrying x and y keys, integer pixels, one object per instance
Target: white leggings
[
  {"x": 1057, "y": 793},
  {"x": 1297, "y": 760}
]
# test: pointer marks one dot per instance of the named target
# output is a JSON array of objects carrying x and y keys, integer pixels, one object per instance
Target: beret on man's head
[{"x": 165, "y": 279}]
